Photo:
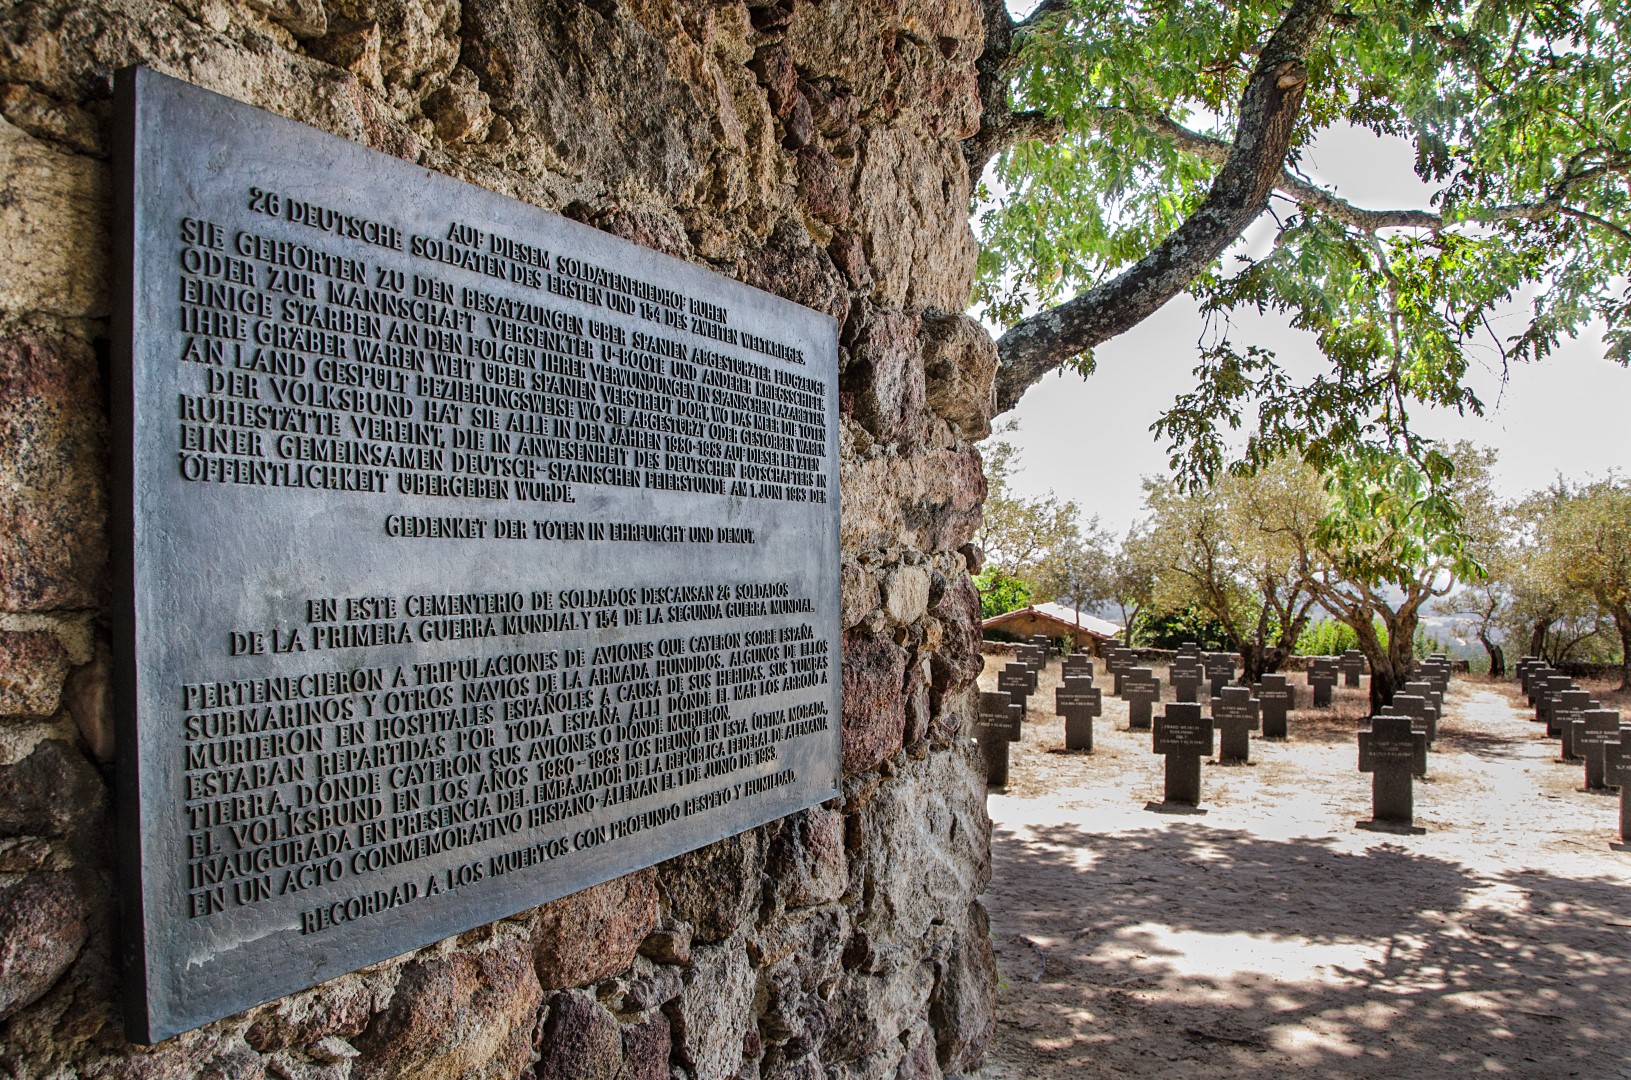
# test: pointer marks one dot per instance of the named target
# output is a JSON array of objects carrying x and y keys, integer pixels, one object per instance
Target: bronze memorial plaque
[{"x": 470, "y": 556}]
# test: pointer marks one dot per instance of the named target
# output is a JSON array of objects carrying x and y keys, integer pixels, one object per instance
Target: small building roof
[{"x": 1069, "y": 620}]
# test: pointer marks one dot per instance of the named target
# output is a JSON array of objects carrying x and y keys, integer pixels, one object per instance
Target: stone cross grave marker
[
  {"x": 1220, "y": 668},
  {"x": 1189, "y": 648},
  {"x": 1418, "y": 707},
  {"x": 1546, "y": 693},
  {"x": 1537, "y": 679},
  {"x": 1235, "y": 715},
  {"x": 1617, "y": 773},
  {"x": 1184, "y": 736},
  {"x": 1076, "y": 665},
  {"x": 1394, "y": 753},
  {"x": 1276, "y": 697},
  {"x": 1435, "y": 702},
  {"x": 1419, "y": 723},
  {"x": 1031, "y": 659},
  {"x": 1118, "y": 662},
  {"x": 1322, "y": 676},
  {"x": 1595, "y": 728},
  {"x": 1525, "y": 668},
  {"x": 1353, "y": 666},
  {"x": 1142, "y": 689},
  {"x": 1043, "y": 642},
  {"x": 1078, "y": 701},
  {"x": 1569, "y": 707},
  {"x": 995, "y": 729},
  {"x": 1016, "y": 679},
  {"x": 1186, "y": 675}
]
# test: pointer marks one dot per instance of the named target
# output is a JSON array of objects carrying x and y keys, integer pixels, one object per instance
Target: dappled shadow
[{"x": 1281, "y": 956}]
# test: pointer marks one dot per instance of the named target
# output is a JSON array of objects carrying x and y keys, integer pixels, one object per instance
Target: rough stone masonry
[{"x": 811, "y": 149}]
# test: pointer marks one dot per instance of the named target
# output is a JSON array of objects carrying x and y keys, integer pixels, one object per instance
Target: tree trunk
[
  {"x": 1537, "y": 637},
  {"x": 1497, "y": 659},
  {"x": 1240, "y": 191},
  {"x": 1622, "y": 620}
]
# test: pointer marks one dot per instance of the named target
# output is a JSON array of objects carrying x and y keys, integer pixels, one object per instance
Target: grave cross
[
  {"x": 1234, "y": 713},
  {"x": 1568, "y": 707},
  {"x": 1031, "y": 660},
  {"x": 1042, "y": 642},
  {"x": 1595, "y": 728},
  {"x": 1117, "y": 664},
  {"x": 1414, "y": 705},
  {"x": 1016, "y": 679},
  {"x": 1186, "y": 675},
  {"x": 1220, "y": 668},
  {"x": 1617, "y": 773},
  {"x": 1353, "y": 665},
  {"x": 1537, "y": 679},
  {"x": 1546, "y": 696},
  {"x": 1078, "y": 701},
  {"x": 1322, "y": 676},
  {"x": 1393, "y": 752},
  {"x": 1077, "y": 665},
  {"x": 1184, "y": 736},
  {"x": 994, "y": 729},
  {"x": 1142, "y": 690},
  {"x": 1276, "y": 697}
]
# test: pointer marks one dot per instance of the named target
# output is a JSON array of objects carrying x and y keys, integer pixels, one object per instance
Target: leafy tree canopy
[{"x": 1133, "y": 142}]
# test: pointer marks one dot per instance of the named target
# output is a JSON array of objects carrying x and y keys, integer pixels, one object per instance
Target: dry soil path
[{"x": 1269, "y": 937}]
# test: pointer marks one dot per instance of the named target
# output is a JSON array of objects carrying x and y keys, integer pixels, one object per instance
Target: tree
[
  {"x": 1078, "y": 569},
  {"x": 1229, "y": 550},
  {"x": 1132, "y": 579},
  {"x": 1391, "y": 541},
  {"x": 1130, "y": 145},
  {"x": 1018, "y": 533},
  {"x": 1590, "y": 532}
]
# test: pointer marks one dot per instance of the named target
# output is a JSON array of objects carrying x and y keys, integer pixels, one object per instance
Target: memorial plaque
[
  {"x": 471, "y": 556},
  {"x": 1276, "y": 697}
]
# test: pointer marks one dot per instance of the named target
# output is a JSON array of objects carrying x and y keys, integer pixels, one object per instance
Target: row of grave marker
[
  {"x": 1393, "y": 750},
  {"x": 1586, "y": 732}
]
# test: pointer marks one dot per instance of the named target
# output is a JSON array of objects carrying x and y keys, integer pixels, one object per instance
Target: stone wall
[{"x": 808, "y": 148}]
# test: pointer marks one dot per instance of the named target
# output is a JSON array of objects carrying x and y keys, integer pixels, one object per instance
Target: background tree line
[{"x": 1264, "y": 563}]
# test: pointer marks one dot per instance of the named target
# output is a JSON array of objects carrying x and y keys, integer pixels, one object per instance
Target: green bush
[{"x": 1000, "y": 592}]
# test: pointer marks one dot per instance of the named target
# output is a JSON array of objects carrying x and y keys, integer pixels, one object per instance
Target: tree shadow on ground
[{"x": 1218, "y": 953}]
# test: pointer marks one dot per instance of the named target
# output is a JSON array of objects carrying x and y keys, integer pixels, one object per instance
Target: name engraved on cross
[
  {"x": 1353, "y": 666},
  {"x": 1394, "y": 753},
  {"x": 1592, "y": 730},
  {"x": 1186, "y": 675},
  {"x": 1617, "y": 773},
  {"x": 1419, "y": 707},
  {"x": 1142, "y": 689},
  {"x": 1076, "y": 665},
  {"x": 1118, "y": 662},
  {"x": 1184, "y": 737},
  {"x": 1235, "y": 715},
  {"x": 1546, "y": 695},
  {"x": 1017, "y": 680},
  {"x": 995, "y": 730},
  {"x": 1276, "y": 697},
  {"x": 1220, "y": 668},
  {"x": 1567, "y": 708},
  {"x": 470, "y": 556},
  {"x": 1078, "y": 701},
  {"x": 1322, "y": 676}
]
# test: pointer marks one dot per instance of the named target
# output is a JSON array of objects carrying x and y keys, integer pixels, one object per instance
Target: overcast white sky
[{"x": 1089, "y": 440}]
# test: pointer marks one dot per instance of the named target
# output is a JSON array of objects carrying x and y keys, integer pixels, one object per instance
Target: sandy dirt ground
[{"x": 1269, "y": 937}]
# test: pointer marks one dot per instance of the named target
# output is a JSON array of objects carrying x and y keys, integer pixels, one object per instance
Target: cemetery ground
[{"x": 1269, "y": 937}]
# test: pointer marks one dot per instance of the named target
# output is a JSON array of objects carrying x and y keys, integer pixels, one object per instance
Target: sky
[{"x": 1089, "y": 439}]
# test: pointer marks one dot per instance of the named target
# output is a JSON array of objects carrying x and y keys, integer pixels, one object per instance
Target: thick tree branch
[{"x": 1240, "y": 192}]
